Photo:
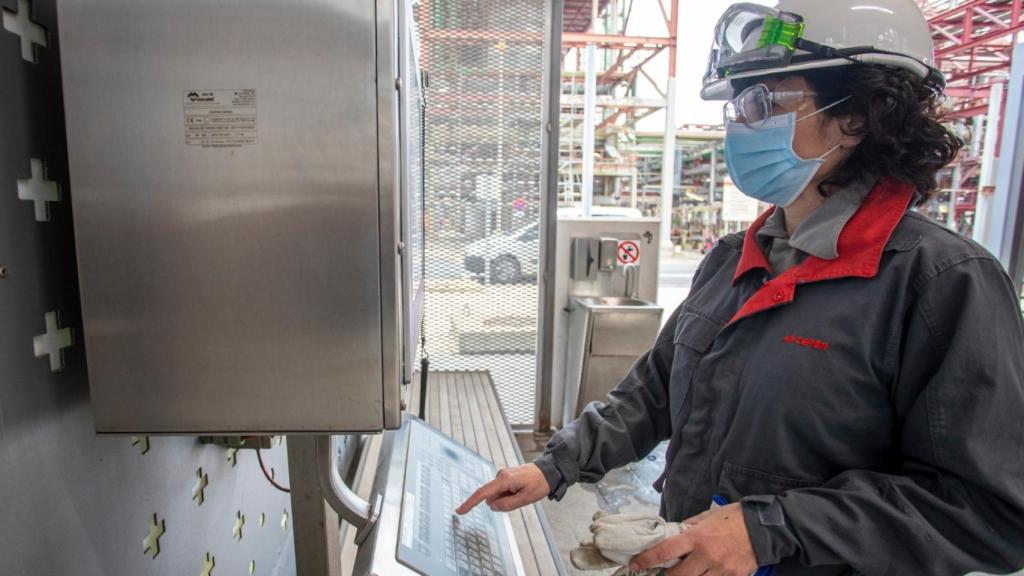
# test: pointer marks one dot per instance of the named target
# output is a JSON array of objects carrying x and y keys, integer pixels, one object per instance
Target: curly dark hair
[{"x": 903, "y": 136}]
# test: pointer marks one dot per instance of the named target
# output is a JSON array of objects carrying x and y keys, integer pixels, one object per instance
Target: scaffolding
[{"x": 612, "y": 79}]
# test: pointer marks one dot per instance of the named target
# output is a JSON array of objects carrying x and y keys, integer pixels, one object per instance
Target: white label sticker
[
  {"x": 408, "y": 519},
  {"x": 220, "y": 118}
]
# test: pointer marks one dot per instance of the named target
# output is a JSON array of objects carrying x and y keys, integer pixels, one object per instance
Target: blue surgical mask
[{"x": 762, "y": 162}]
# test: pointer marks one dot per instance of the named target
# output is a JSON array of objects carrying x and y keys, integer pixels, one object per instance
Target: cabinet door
[{"x": 225, "y": 190}]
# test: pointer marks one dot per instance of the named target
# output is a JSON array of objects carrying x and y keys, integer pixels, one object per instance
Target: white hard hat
[{"x": 753, "y": 40}]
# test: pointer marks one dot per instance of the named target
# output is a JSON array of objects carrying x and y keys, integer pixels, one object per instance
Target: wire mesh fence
[{"x": 482, "y": 199}]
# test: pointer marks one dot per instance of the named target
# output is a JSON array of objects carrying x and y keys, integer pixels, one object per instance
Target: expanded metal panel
[
  {"x": 414, "y": 131},
  {"x": 416, "y": 113},
  {"x": 482, "y": 157}
]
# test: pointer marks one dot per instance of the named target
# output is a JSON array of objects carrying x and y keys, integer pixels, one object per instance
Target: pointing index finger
[{"x": 482, "y": 493}]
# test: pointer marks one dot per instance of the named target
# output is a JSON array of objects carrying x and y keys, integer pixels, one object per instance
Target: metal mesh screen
[
  {"x": 415, "y": 132},
  {"x": 482, "y": 158}
]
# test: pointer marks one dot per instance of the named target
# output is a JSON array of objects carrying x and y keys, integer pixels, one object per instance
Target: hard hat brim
[{"x": 722, "y": 89}]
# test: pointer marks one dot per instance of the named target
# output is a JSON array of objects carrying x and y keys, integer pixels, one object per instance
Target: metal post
[
  {"x": 500, "y": 157},
  {"x": 613, "y": 27},
  {"x": 1004, "y": 235},
  {"x": 633, "y": 181},
  {"x": 977, "y": 130},
  {"x": 713, "y": 179},
  {"x": 548, "y": 217},
  {"x": 316, "y": 524},
  {"x": 986, "y": 179},
  {"x": 571, "y": 195},
  {"x": 668, "y": 161},
  {"x": 589, "y": 123},
  {"x": 951, "y": 207},
  {"x": 977, "y": 135},
  {"x": 954, "y": 191},
  {"x": 668, "y": 164}
]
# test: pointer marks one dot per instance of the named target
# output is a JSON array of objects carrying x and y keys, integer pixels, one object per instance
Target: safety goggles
[
  {"x": 753, "y": 37},
  {"x": 756, "y": 104}
]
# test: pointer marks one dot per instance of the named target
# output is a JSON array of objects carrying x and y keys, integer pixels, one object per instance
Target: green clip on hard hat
[{"x": 753, "y": 40}]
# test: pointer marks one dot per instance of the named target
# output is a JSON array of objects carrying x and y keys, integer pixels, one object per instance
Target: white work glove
[{"x": 619, "y": 537}]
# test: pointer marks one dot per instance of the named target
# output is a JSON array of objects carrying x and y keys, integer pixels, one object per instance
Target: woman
[{"x": 847, "y": 372}]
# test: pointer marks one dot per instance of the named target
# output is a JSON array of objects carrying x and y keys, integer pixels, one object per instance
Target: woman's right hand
[{"x": 511, "y": 488}]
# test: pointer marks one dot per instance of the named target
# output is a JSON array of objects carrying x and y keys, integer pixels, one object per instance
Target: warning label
[
  {"x": 220, "y": 118},
  {"x": 628, "y": 252}
]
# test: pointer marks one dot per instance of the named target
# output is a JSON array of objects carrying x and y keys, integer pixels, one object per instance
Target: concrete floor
[{"x": 627, "y": 489}]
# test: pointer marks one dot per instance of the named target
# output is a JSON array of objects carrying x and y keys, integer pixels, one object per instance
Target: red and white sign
[{"x": 629, "y": 252}]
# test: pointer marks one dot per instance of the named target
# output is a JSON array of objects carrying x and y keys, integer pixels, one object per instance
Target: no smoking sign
[{"x": 629, "y": 252}]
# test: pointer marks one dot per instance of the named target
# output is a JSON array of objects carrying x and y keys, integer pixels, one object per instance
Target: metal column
[
  {"x": 1003, "y": 236},
  {"x": 549, "y": 215},
  {"x": 668, "y": 161},
  {"x": 589, "y": 122},
  {"x": 713, "y": 177},
  {"x": 316, "y": 524},
  {"x": 987, "y": 180}
]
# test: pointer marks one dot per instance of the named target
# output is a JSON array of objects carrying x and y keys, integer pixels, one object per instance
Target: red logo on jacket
[{"x": 806, "y": 342}]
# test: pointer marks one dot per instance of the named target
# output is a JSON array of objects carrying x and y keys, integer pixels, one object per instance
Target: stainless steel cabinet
[{"x": 236, "y": 174}]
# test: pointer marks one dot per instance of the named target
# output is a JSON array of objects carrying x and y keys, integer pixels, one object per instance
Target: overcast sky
[
  {"x": 696, "y": 31},
  {"x": 697, "y": 19}
]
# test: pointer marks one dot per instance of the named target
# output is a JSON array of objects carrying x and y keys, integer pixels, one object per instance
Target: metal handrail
[{"x": 336, "y": 492}]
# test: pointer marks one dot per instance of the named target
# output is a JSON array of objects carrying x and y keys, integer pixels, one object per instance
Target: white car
[
  {"x": 513, "y": 256},
  {"x": 505, "y": 258}
]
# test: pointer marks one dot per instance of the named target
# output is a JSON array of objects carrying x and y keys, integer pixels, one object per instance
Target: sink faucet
[{"x": 632, "y": 273}]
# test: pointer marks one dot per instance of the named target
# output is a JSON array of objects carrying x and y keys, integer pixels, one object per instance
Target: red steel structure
[
  {"x": 974, "y": 42},
  {"x": 632, "y": 53},
  {"x": 973, "y": 47}
]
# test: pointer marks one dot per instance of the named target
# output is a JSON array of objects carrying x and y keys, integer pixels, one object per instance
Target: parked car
[
  {"x": 505, "y": 258},
  {"x": 512, "y": 257}
]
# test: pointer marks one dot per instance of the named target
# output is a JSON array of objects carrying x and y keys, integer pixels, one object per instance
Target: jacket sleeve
[
  {"x": 624, "y": 429},
  {"x": 953, "y": 501}
]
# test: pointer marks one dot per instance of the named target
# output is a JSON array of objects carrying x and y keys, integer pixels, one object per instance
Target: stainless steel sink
[
  {"x": 613, "y": 302},
  {"x": 606, "y": 335}
]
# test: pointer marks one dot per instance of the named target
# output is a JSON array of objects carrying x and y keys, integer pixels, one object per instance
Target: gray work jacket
[{"x": 868, "y": 411}]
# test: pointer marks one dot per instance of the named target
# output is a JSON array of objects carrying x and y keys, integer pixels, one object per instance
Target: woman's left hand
[{"x": 716, "y": 544}]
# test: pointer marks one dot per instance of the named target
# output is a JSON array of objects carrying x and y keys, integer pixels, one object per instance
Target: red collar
[
  {"x": 752, "y": 257},
  {"x": 860, "y": 248}
]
